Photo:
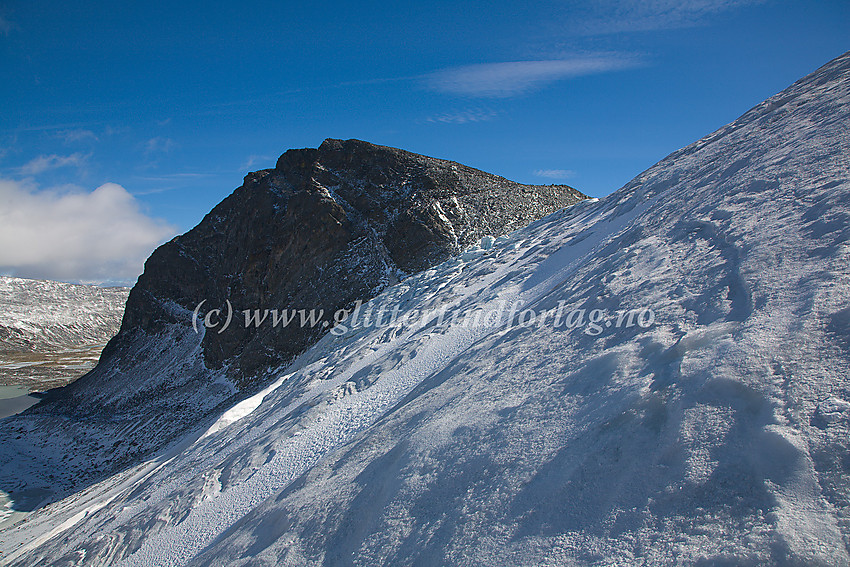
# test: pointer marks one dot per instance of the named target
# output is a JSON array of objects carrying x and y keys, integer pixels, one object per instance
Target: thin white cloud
[
  {"x": 159, "y": 145},
  {"x": 512, "y": 78},
  {"x": 615, "y": 16},
  {"x": 114, "y": 130},
  {"x": 554, "y": 173},
  {"x": 253, "y": 160},
  {"x": 75, "y": 235},
  {"x": 173, "y": 176},
  {"x": 47, "y": 162},
  {"x": 76, "y": 135},
  {"x": 463, "y": 117}
]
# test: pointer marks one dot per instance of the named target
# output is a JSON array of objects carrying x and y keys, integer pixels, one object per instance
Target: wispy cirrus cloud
[
  {"x": 158, "y": 145},
  {"x": 463, "y": 117},
  {"x": 554, "y": 173},
  {"x": 76, "y": 135},
  {"x": 513, "y": 78},
  {"x": 44, "y": 163},
  {"x": 75, "y": 235},
  {"x": 617, "y": 16},
  {"x": 253, "y": 160},
  {"x": 174, "y": 176}
]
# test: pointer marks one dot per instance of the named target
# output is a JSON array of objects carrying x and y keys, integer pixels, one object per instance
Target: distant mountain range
[{"x": 51, "y": 333}]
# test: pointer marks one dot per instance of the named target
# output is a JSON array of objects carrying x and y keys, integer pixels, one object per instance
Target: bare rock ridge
[{"x": 324, "y": 228}]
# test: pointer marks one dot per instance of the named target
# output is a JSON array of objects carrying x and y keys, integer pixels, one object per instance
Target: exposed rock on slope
[{"x": 325, "y": 228}]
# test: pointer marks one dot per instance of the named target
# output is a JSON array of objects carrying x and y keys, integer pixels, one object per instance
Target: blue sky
[{"x": 122, "y": 126}]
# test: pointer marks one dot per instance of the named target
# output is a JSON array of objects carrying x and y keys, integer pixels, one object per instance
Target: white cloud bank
[
  {"x": 100, "y": 236},
  {"x": 512, "y": 78}
]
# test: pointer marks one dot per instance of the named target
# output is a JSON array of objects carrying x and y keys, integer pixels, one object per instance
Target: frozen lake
[{"x": 15, "y": 399}]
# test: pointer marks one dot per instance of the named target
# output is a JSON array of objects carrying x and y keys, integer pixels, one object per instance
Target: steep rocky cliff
[{"x": 326, "y": 227}]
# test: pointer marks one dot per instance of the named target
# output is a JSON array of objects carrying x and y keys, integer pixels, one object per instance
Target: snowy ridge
[{"x": 718, "y": 433}]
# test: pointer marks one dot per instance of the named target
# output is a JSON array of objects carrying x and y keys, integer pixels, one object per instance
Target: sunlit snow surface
[{"x": 719, "y": 433}]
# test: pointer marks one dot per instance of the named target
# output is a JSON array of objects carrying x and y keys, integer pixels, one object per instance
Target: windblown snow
[{"x": 714, "y": 429}]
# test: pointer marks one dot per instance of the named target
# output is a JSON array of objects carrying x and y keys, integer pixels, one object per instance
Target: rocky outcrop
[{"x": 326, "y": 227}]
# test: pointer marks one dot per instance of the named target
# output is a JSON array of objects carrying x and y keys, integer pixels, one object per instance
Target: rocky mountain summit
[{"x": 324, "y": 229}]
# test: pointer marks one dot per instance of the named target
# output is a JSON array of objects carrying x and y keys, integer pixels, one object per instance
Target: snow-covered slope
[
  {"x": 52, "y": 332},
  {"x": 713, "y": 428}
]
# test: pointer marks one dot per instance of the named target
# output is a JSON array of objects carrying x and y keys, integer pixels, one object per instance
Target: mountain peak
[
  {"x": 326, "y": 228},
  {"x": 349, "y": 217}
]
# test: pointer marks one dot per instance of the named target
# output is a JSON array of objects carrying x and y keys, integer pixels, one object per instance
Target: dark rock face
[{"x": 324, "y": 228}]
